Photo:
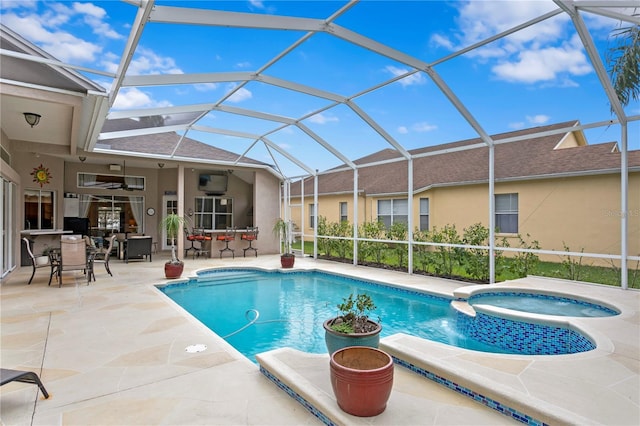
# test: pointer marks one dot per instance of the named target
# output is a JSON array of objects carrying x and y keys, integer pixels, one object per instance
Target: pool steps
[{"x": 297, "y": 374}]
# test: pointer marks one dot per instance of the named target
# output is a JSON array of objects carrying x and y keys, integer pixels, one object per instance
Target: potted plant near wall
[
  {"x": 283, "y": 228},
  {"x": 172, "y": 224},
  {"x": 352, "y": 326},
  {"x": 44, "y": 258}
]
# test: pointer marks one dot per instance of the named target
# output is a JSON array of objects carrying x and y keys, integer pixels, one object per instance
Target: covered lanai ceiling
[{"x": 273, "y": 107}]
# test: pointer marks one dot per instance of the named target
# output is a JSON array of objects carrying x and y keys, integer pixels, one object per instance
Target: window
[
  {"x": 312, "y": 215},
  {"x": 343, "y": 212},
  {"x": 392, "y": 211},
  {"x": 213, "y": 212},
  {"x": 100, "y": 181},
  {"x": 112, "y": 213},
  {"x": 424, "y": 214},
  {"x": 39, "y": 208},
  {"x": 507, "y": 213}
]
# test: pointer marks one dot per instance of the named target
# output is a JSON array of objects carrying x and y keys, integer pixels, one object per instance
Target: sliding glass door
[{"x": 109, "y": 214}]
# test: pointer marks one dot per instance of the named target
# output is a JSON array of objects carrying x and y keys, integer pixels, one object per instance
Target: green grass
[{"x": 570, "y": 270}]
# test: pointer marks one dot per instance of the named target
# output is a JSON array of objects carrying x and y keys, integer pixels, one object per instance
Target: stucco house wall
[{"x": 581, "y": 213}]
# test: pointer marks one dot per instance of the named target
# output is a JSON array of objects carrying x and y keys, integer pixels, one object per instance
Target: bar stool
[
  {"x": 201, "y": 237},
  {"x": 251, "y": 235},
  {"x": 229, "y": 235},
  {"x": 190, "y": 237}
]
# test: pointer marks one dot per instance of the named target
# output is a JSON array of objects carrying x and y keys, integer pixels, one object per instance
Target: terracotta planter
[
  {"x": 173, "y": 270},
  {"x": 287, "y": 261},
  {"x": 336, "y": 340},
  {"x": 362, "y": 379}
]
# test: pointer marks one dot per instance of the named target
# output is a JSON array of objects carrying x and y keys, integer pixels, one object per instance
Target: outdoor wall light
[
  {"x": 32, "y": 118},
  {"x": 161, "y": 165},
  {"x": 82, "y": 158}
]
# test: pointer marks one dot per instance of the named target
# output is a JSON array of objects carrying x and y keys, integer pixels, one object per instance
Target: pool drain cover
[{"x": 196, "y": 348}]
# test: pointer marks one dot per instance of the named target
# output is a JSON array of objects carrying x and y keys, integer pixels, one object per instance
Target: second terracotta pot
[{"x": 362, "y": 379}]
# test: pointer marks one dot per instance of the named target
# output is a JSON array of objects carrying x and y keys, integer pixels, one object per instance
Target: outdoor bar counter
[
  {"x": 214, "y": 246},
  {"x": 41, "y": 238}
]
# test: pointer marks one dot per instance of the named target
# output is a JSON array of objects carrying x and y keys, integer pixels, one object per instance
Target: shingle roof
[
  {"x": 164, "y": 144},
  {"x": 527, "y": 159}
]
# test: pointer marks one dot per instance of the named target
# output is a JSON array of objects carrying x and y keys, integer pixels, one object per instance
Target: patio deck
[{"x": 114, "y": 352}]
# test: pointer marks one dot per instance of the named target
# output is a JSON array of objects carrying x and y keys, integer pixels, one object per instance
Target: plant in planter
[
  {"x": 44, "y": 258},
  {"x": 172, "y": 225},
  {"x": 352, "y": 327},
  {"x": 283, "y": 229}
]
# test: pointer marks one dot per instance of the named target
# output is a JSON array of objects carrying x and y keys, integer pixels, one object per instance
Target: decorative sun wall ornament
[{"x": 41, "y": 175}]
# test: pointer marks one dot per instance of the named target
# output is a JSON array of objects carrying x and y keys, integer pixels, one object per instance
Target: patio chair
[
  {"x": 73, "y": 257},
  {"x": 37, "y": 265},
  {"x": 104, "y": 254},
  {"x": 8, "y": 376},
  {"x": 138, "y": 247}
]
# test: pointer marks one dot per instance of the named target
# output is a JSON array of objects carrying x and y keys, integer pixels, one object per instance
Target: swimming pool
[{"x": 257, "y": 311}]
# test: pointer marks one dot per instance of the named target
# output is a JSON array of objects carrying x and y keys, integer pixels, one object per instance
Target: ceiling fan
[{"x": 124, "y": 184}]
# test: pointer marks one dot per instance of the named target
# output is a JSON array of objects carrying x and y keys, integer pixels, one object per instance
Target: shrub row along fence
[{"x": 446, "y": 252}]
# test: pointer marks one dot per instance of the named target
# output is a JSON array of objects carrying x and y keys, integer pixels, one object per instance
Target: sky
[{"x": 535, "y": 77}]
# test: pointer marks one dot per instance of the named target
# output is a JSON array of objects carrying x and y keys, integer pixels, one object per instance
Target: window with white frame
[
  {"x": 39, "y": 209},
  {"x": 424, "y": 214},
  {"x": 392, "y": 211},
  {"x": 507, "y": 213},
  {"x": 343, "y": 212},
  {"x": 312, "y": 215},
  {"x": 213, "y": 212}
]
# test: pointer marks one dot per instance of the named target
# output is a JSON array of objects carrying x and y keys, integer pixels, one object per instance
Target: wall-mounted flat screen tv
[{"x": 213, "y": 184}]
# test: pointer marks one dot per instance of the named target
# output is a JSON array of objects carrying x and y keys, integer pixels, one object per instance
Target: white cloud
[
  {"x": 479, "y": 20},
  {"x": 538, "y": 119},
  {"x": 532, "y": 66},
  {"x": 243, "y": 65},
  {"x": 132, "y": 97},
  {"x": 322, "y": 119},
  {"x": 417, "y": 78},
  {"x": 89, "y": 9},
  {"x": 259, "y": 4},
  {"x": 63, "y": 46},
  {"x": 240, "y": 95},
  {"x": 423, "y": 126},
  {"x": 43, "y": 28},
  {"x": 206, "y": 87},
  {"x": 402, "y": 130},
  {"x": 530, "y": 55},
  {"x": 147, "y": 61},
  {"x": 516, "y": 125},
  {"x": 443, "y": 41},
  {"x": 109, "y": 62}
]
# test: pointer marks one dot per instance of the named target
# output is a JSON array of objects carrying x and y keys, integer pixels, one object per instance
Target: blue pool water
[
  {"x": 542, "y": 304},
  {"x": 290, "y": 308}
]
